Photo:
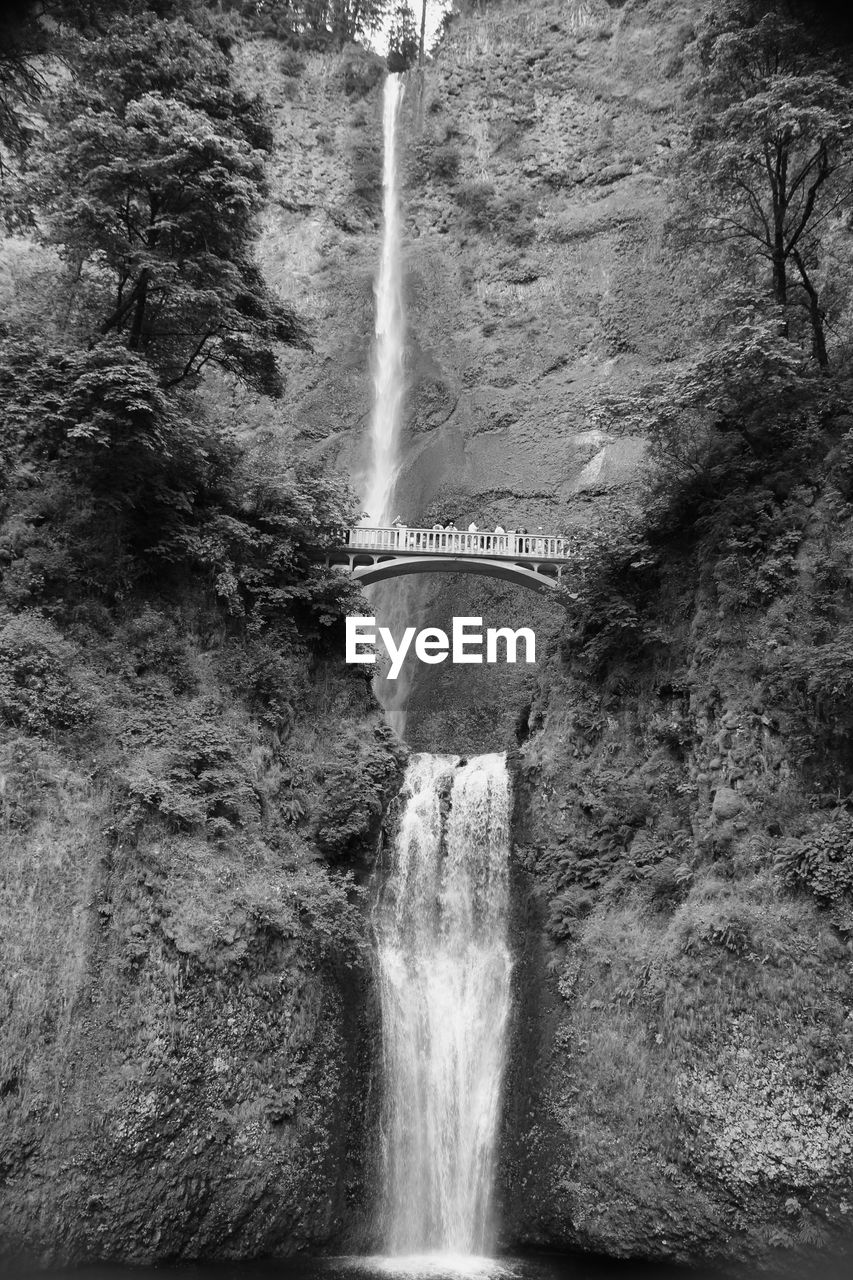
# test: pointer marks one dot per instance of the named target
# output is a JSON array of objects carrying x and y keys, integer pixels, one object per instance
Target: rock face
[
  {"x": 681, "y": 1081},
  {"x": 200, "y": 1074},
  {"x": 683, "y": 1076},
  {"x": 538, "y": 283},
  {"x": 189, "y": 1036}
]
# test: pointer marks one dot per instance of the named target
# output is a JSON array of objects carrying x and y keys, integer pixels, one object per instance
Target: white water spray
[
  {"x": 389, "y": 353},
  {"x": 390, "y": 603},
  {"x": 444, "y": 967}
]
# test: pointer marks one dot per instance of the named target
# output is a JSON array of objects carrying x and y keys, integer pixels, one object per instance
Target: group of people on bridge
[{"x": 448, "y": 538}]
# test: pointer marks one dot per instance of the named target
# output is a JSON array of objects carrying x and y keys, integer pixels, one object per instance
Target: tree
[
  {"x": 402, "y": 38},
  {"x": 772, "y": 141},
  {"x": 22, "y": 40},
  {"x": 153, "y": 178},
  {"x": 314, "y": 22}
]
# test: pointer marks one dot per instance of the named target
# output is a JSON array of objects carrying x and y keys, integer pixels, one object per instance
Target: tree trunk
[
  {"x": 124, "y": 305},
  {"x": 135, "y": 340},
  {"x": 815, "y": 313},
  {"x": 422, "y": 45},
  {"x": 780, "y": 275},
  {"x": 340, "y": 24}
]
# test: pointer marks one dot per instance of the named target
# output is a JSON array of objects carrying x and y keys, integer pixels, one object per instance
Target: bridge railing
[{"x": 534, "y": 546}]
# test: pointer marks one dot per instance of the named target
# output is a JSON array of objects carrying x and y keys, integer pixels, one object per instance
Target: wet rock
[{"x": 726, "y": 804}]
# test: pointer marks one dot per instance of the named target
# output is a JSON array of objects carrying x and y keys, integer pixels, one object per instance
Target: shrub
[
  {"x": 290, "y": 63},
  {"x": 477, "y": 200},
  {"x": 356, "y": 793},
  {"x": 823, "y": 671},
  {"x": 270, "y": 677},
  {"x": 566, "y": 911},
  {"x": 193, "y": 777},
  {"x": 37, "y": 693},
  {"x": 717, "y": 917},
  {"x": 440, "y": 160},
  {"x": 359, "y": 71},
  {"x": 821, "y": 861},
  {"x": 27, "y": 775},
  {"x": 667, "y": 881},
  {"x": 506, "y": 213},
  {"x": 366, "y": 171},
  {"x": 150, "y": 642}
]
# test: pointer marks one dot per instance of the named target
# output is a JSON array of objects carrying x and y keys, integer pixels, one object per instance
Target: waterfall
[
  {"x": 444, "y": 972},
  {"x": 389, "y": 352},
  {"x": 441, "y": 916},
  {"x": 390, "y": 603}
]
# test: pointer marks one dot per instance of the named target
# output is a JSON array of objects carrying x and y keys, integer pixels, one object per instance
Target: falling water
[
  {"x": 389, "y": 353},
  {"x": 390, "y": 604},
  {"x": 444, "y": 967}
]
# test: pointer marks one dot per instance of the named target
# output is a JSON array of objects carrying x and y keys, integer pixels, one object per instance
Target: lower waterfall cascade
[{"x": 444, "y": 975}]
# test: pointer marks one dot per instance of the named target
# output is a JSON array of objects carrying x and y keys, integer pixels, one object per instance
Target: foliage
[
  {"x": 197, "y": 780},
  {"x": 443, "y": 161},
  {"x": 608, "y": 590},
  {"x": 820, "y": 669},
  {"x": 735, "y": 443},
  {"x": 271, "y": 677},
  {"x": 332, "y": 907},
  {"x": 22, "y": 40},
  {"x": 757, "y": 1124},
  {"x": 313, "y": 23},
  {"x": 37, "y": 691},
  {"x": 167, "y": 487},
  {"x": 358, "y": 71},
  {"x": 73, "y": 403},
  {"x": 403, "y": 40},
  {"x": 509, "y": 215},
  {"x": 771, "y": 143},
  {"x": 358, "y": 789},
  {"x": 152, "y": 177},
  {"x": 820, "y": 861},
  {"x": 28, "y": 774}
]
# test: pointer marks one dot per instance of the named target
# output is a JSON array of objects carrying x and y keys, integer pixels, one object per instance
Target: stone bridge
[{"x": 532, "y": 560}]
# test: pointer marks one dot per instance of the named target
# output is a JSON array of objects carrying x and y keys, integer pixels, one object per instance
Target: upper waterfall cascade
[
  {"x": 389, "y": 351},
  {"x": 444, "y": 969}
]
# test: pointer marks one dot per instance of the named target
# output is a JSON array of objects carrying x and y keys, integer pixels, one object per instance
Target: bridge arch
[
  {"x": 543, "y": 578},
  {"x": 530, "y": 560}
]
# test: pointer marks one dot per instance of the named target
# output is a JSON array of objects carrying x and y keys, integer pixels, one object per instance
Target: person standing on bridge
[{"x": 500, "y": 539}]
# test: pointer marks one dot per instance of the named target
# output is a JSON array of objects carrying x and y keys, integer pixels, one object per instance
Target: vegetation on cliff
[
  {"x": 693, "y": 835},
  {"x": 190, "y": 780}
]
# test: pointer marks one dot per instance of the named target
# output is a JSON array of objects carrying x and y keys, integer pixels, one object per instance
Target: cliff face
[
  {"x": 685, "y": 1005},
  {"x": 536, "y": 153},
  {"x": 680, "y": 1085},
  {"x": 188, "y": 1036},
  {"x": 188, "y": 1029},
  {"x": 192, "y": 783}
]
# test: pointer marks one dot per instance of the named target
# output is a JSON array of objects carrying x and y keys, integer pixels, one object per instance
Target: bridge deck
[{"x": 402, "y": 541}]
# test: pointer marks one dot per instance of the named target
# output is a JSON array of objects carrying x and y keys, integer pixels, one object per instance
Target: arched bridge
[{"x": 532, "y": 560}]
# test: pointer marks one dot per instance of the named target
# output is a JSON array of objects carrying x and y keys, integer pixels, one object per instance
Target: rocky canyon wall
[
  {"x": 536, "y": 149},
  {"x": 682, "y": 1077}
]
